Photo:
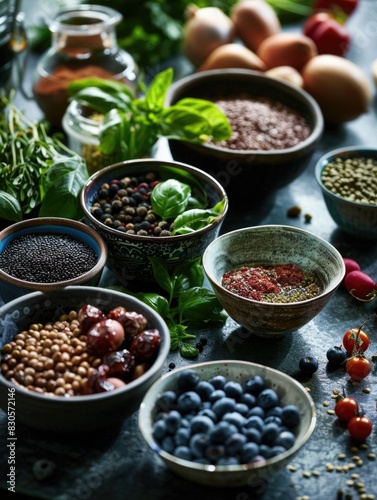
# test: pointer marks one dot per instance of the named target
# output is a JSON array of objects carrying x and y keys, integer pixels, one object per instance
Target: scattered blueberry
[
  {"x": 336, "y": 355},
  {"x": 308, "y": 365}
]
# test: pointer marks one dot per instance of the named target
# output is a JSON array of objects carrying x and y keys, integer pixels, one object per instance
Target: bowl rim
[
  {"x": 346, "y": 152},
  {"x": 97, "y": 176},
  {"x": 245, "y": 74},
  {"x": 58, "y": 222},
  {"x": 224, "y": 468},
  {"x": 91, "y": 398},
  {"x": 280, "y": 227}
]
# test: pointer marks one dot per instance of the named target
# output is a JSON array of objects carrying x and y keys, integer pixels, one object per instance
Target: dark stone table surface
[{"x": 117, "y": 464}]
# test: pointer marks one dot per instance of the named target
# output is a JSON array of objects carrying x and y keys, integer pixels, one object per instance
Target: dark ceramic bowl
[
  {"x": 290, "y": 392},
  {"x": 128, "y": 254},
  {"x": 77, "y": 413},
  {"x": 251, "y": 174},
  {"x": 12, "y": 287},
  {"x": 273, "y": 244},
  {"x": 355, "y": 218}
]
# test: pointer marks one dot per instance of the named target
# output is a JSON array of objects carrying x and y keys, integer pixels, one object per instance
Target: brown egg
[
  {"x": 287, "y": 49},
  {"x": 339, "y": 86},
  {"x": 287, "y": 73},
  {"x": 232, "y": 55}
]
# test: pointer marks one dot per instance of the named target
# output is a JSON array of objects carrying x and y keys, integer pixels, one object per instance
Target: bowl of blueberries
[
  {"x": 226, "y": 423},
  {"x": 147, "y": 208}
]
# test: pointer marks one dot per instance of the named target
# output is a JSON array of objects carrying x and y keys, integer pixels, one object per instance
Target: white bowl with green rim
[{"x": 356, "y": 218}]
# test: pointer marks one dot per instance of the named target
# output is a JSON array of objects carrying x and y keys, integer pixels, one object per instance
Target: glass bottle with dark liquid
[{"x": 84, "y": 44}]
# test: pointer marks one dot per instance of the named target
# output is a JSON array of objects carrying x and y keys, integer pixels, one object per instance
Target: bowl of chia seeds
[
  {"x": 148, "y": 209},
  {"x": 273, "y": 279},
  {"x": 276, "y": 127},
  {"x": 348, "y": 180},
  {"x": 49, "y": 253}
]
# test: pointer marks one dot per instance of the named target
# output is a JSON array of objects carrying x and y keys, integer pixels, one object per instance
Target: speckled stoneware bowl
[
  {"x": 290, "y": 392},
  {"x": 247, "y": 174},
  {"x": 128, "y": 254},
  {"x": 12, "y": 287},
  {"x": 354, "y": 218},
  {"x": 273, "y": 244},
  {"x": 76, "y": 414}
]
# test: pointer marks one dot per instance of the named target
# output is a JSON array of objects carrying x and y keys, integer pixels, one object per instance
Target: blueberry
[
  {"x": 290, "y": 416},
  {"x": 221, "y": 432},
  {"x": 256, "y": 422},
  {"x": 257, "y": 411},
  {"x": 249, "y": 452},
  {"x": 223, "y": 405},
  {"x": 234, "y": 444},
  {"x": 254, "y": 385},
  {"x": 308, "y": 365},
  {"x": 218, "y": 381},
  {"x": 273, "y": 419},
  {"x": 270, "y": 433},
  {"x": 336, "y": 355},
  {"x": 252, "y": 434},
  {"x": 198, "y": 444},
  {"x": 182, "y": 436},
  {"x": 166, "y": 401},
  {"x": 201, "y": 424},
  {"x": 188, "y": 401},
  {"x": 228, "y": 461},
  {"x": 242, "y": 409},
  {"x": 183, "y": 452},
  {"x": 173, "y": 421},
  {"x": 217, "y": 394},
  {"x": 204, "y": 389},
  {"x": 275, "y": 411},
  {"x": 188, "y": 379},
  {"x": 267, "y": 399},
  {"x": 233, "y": 390},
  {"x": 234, "y": 418},
  {"x": 168, "y": 444},
  {"x": 208, "y": 413},
  {"x": 265, "y": 451},
  {"x": 286, "y": 439},
  {"x": 214, "y": 452},
  {"x": 277, "y": 450},
  {"x": 248, "y": 399},
  {"x": 159, "y": 430},
  {"x": 201, "y": 460}
]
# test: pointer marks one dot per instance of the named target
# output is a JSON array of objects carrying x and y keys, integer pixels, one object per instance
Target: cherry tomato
[
  {"x": 349, "y": 340},
  {"x": 329, "y": 35},
  {"x": 345, "y": 6},
  {"x": 360, "y": 285},
  {"x": 346, "y": 408},
  {"x": 359, "y": 427},
  {"x": 358, "y": 367}
]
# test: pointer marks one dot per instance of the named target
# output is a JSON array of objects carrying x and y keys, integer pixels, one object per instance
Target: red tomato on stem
[
  {"x": 329, "y": 35},
  {"x": 358, "y": 367},
  {"x": 359, "y": 427},
  {"x": 355, "y": 337},
  {"x": 346, "y": 408}
]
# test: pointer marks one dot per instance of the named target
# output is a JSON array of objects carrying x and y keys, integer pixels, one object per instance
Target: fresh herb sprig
[
  {"x": 185, "y": 304},
  {"x": 37, "y": 171},
  {"x": 132, "y": 125}
]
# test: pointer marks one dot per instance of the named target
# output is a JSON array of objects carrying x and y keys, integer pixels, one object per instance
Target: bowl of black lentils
[
  {"x": 49, "y": 253},
  {"x": 152, "y": 209},
  {"x": 79, "y": 359},
  {"x": 276, "y": 127},
  {"x": 226, "y": 423},
  {"x": 348, "y": 180},
  {"x": 273, "y": 279}
]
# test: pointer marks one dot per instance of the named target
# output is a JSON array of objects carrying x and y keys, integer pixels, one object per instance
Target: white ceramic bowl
[{"x": 290, "y": 392}]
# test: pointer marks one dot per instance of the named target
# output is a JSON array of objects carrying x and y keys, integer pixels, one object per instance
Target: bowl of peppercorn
[
  {"x": 276, "y": 127},
  {"x": 49, "y": 253},
  {"x": 348, "y": 180},
  {"x": 273, "y": 279},
  {"x": 226, "y": 423},
  {"x": 149, "y": 208},
  {"x": 79, "y": 359}
]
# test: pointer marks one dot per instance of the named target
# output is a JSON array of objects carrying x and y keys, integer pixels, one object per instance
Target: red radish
[
  {"x": 351, "y": 265},
  {"x": 361, "y": 286}
]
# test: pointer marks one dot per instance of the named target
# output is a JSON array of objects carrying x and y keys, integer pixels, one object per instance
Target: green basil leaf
[
  {"x": 188, "y": 350},
  {"x": 197, "y": 188},
  {"x": 169, "y": 198},
  {"x": 198, "y": 304},
  {"x": 10, "y": 208},
  {"x": 104, "y": 84},
  {"x": 161, "y": 273},
  {"x": 157, "y": 302},
  {"x": 102, "y": 101},
  {"x": 155, "y": 97},
  {"x": 115, "y": 133},
  {"x": 193, "y": 220},
  {"x": 183, "y": 123},
  {"x": 185, "y": 275}
]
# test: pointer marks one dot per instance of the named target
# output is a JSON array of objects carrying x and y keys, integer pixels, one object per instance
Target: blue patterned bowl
[
  {"x": 354, "y": 218},
  {"x": 271, "y": 245},
  {"x": 128, "y": 254}
]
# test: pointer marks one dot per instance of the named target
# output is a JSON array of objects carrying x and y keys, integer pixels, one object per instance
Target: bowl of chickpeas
[
  {"x": 348, "y": 180},
  {"x": 79, "y": 359}
]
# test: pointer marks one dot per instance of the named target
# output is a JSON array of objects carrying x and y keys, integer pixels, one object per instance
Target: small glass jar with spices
[{"x": 84, "y": 44}]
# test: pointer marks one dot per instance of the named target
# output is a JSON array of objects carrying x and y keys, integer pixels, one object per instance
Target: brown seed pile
[
  {"x": 51, "y": 358},
  {"x": 261, "y": 123}
]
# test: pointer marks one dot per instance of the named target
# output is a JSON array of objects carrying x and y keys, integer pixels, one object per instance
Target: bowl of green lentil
[
  {"x": 49, "y": 253},
  {"x": 348, "y": 180},
  {"x": 149, "y": 208},
  {"x": 273, "y": 279}
]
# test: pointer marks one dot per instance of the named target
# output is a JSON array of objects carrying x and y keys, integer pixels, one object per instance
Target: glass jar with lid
[{"x": 84, "y": 44}]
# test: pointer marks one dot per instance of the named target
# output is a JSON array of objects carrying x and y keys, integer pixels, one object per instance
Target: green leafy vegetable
[
  {"x": 132, "y": 125},
  {"x": 186, "y": 304},
  {"x": 37, "y": 171}
]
